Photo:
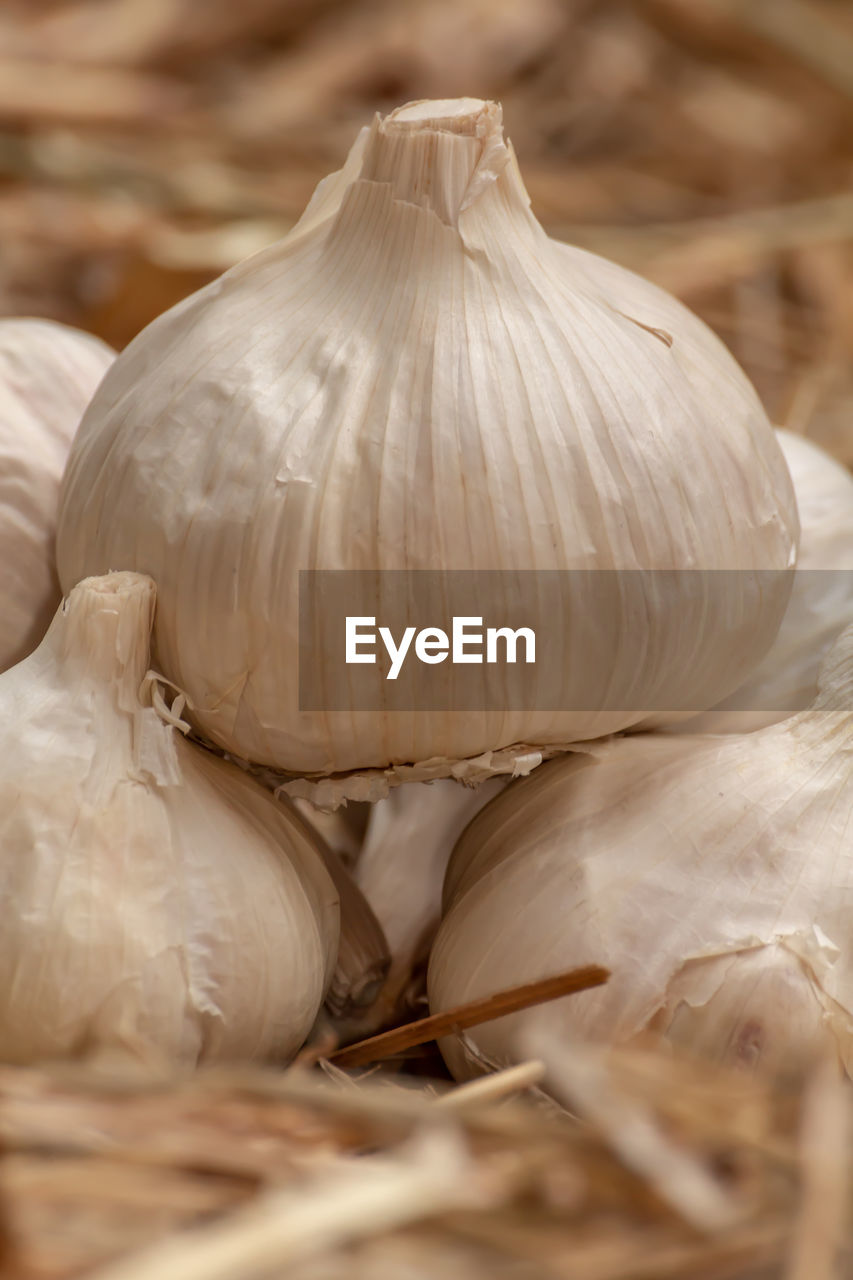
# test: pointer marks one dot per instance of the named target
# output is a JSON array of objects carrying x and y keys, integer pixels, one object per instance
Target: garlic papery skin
[
  {"x": 48, "y": 374},
  {"x": 821, "y": 603},
  {"x": 157, "y": 902},
  {"x": 418, "y": 378},
  {"x": 712, "y": 875}
]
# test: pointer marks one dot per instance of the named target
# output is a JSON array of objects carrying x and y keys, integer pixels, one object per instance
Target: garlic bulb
[
  {"x": 712, "y": 875},
  {"x": 48, "y": 374},
  {"x": 156, "y": 900},
  {"x": 821, "y": 602},
  {"x": 418, "y": 378}
]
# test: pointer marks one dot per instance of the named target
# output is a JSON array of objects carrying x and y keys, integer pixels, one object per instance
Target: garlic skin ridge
[
  {"x": 712, "y": 875},
  {"x": 417, "y": 377},
  {"x": 820, "y": 606},
  {"x": 48, "y": 374},
  {"x": 159, "y": 904}
]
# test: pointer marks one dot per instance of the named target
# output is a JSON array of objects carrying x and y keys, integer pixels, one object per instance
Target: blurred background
[{"x": 145, "y": 145}]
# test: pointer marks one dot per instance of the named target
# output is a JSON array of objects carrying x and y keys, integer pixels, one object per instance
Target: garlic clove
[
  {"x": 820, "y": 606},
  {"x": 424, "y": 819},
  {"x": 48, "y": 374},
  {"x": 712, "y": 875},
  {"x": 396, "y": 851},
  {"x": 400, "y": 870},
  {"x": 158, "y": 902},
  {"x": 418, "y": 378}
]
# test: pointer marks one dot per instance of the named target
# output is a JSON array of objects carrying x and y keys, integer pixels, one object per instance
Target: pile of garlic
[{"x": 415, "y": 378}]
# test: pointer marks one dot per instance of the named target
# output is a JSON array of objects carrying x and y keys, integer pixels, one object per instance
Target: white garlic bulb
[
  {"x": 821, "y": 603},
  {"x": 418, "y": 378},
  {"x": 712, "y": 875},
  {"x": 48, "y": 374},
  {"x": 157, "y": 901}
]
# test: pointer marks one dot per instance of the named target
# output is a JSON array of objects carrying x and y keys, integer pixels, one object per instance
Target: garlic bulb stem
[{"x": 100, "y": 644}]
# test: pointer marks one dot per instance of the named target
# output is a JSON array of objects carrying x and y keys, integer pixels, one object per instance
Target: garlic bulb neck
[
  {"x": 428, "y": 182},
  {"x": 440, "y": 155},
  {"x": 95, "y": 636}
]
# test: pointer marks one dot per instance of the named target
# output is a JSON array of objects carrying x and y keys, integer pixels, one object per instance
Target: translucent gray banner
[{"x": 656, "y": 641}]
